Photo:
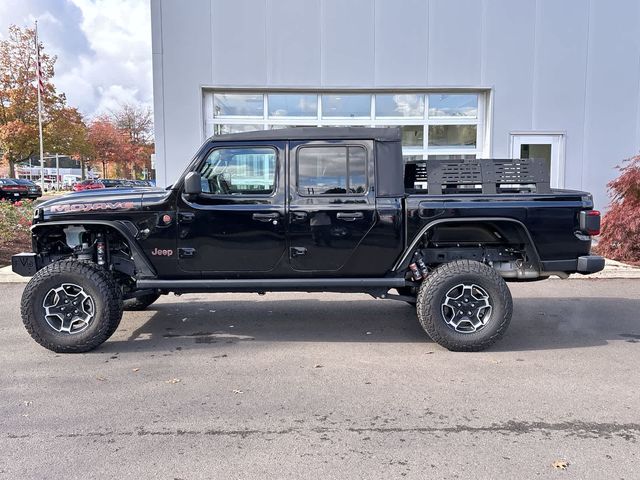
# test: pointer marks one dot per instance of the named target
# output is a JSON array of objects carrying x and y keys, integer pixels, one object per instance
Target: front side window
[
  {"x": 332, "y": 170},
  {"x": 239, "y": 171}
]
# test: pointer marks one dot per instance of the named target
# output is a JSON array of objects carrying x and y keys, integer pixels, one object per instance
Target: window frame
[
  {"x": 276, "y": 183},
  {"x": 346, "y": 146},
  {"x": 265, "y": 122}
]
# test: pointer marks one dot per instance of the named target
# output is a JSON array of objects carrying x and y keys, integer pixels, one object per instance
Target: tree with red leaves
[
  {"x": 620, "y": 239},
  {"x": 109, "y": 145},
  {"x": 136, "y": 122}
]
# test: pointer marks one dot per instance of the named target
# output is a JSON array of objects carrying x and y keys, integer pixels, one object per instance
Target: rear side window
[
  {"x": 239, "y": 171},
  {"x": 332, "y": 170}
]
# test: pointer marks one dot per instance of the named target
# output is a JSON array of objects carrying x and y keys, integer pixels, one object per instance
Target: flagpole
[{"x": 39, "y": 75}]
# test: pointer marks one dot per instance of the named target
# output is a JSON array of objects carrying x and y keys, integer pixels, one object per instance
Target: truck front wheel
[
  {"x": 464, "y": 306},
  {"x": 71, "y": 306}
]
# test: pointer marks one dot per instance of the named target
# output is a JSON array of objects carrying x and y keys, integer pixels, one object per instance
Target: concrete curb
[
  {"x": 7, "y": 276},
  {"x": 612, "y": 269}
]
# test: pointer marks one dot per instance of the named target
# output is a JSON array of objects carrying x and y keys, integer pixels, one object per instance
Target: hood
[{"x": 98, "y": 201}]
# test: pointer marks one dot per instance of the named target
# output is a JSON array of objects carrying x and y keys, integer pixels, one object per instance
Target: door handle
[
  {"x": 265, "y": 217},
  {"x": 186, "y": 217},
  {"x": 297, "y": 251},
  {"x": 349, "y": 216},
  {"x": 186, "y": 252}
]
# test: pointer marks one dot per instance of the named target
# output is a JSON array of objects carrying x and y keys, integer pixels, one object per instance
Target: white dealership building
[{"x": 486, "y": 78}]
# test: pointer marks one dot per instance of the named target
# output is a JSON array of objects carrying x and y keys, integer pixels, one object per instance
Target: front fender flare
[{"x": 144, "y": 268}]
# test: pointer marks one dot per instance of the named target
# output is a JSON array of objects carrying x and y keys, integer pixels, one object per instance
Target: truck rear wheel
[
  {"x": 464, "y": 305},
  {"x": 71, "y": 306}
]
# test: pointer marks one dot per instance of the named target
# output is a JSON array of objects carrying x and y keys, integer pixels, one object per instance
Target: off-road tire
[
  {"x": 434, "y": 289},
  {"x": 140, "y": 303},
  {"x": 96, "y": 282}
]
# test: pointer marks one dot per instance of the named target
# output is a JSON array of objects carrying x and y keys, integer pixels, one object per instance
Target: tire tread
[
  {"x": 102, "y": 280},
  {"x": 445, "y": 272}
]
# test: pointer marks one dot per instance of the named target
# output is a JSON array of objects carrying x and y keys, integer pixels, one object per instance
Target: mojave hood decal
[{"x": 90, "y": 207}]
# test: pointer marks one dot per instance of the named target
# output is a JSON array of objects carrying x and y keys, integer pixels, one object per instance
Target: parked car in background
[
  {"x": 49, "y": 185},
  {"x": 33, "y": 190},
  {"x": 115, "y": 182},
  {"x": 12, "y": 191},
  {"x": 140, "y": 183},
  {"x": 68, "y": 181},
  {"x": 87, "y": 185}
]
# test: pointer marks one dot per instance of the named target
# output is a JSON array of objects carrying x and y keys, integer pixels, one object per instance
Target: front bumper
[{"x": 24, "y": 264}]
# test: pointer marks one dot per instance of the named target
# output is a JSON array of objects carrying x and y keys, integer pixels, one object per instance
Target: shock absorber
[
  {"x": 419, "y": 270},
  {"x": 424, "y": 271},
  {"x": 101, "y": 251},
  {"x": 415, "y": 272}
]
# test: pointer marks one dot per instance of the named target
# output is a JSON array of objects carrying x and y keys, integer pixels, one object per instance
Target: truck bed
[{"x": 551, "y": 220}]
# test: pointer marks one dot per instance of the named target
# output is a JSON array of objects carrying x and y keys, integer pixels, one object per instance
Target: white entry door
[{"x": 548, "y": 146}]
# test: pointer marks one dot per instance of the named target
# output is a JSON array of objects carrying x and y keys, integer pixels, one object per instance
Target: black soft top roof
[{"x": 315, "y": 133}]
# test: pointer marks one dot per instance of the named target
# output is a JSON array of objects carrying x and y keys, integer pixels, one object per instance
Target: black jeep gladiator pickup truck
[{"x": 312, "y": 210}]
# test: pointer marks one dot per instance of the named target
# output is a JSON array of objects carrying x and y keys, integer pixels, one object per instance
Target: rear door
[{"x": 332, "y": 203}]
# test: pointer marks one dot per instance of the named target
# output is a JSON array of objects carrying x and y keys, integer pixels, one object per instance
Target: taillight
[{"x": 590, "y": 222}]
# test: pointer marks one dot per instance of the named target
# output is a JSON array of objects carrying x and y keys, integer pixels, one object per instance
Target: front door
[
  {"x": 238, "y": 222},
  {"x": 549, "y": 147},
  {"x": 332, "y": 204}
]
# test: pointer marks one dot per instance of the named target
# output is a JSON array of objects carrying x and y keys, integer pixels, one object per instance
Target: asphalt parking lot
[{"x": 329, "y": 386}]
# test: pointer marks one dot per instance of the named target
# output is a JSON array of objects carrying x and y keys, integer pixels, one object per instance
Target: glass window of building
[
  {"x": 453, "y": 105},
  {"x": 234, "y": 104},
  {"x": 346, "y": 105},
  {"x": 401, "y": 105},
  {"x": 433, "y": 124},
  {"x": 292, "y": 105}
]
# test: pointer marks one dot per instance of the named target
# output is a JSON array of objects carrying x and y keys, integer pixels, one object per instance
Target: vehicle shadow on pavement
[
  {"x": 200, "y": 324},
  {"x": 538, "y": 323}
]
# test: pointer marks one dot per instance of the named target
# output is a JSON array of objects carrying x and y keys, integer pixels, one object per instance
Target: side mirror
[{"x": 192, "y": 184}]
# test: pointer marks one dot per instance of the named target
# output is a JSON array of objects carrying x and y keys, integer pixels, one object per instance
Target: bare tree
[{"x": 135, "y": 121}]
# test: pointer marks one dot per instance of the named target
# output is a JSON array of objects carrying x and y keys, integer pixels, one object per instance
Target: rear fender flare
[{"x": 403, "y": 262}]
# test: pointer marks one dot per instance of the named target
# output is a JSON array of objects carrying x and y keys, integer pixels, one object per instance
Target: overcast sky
[{"x": 103, "y": 47}]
